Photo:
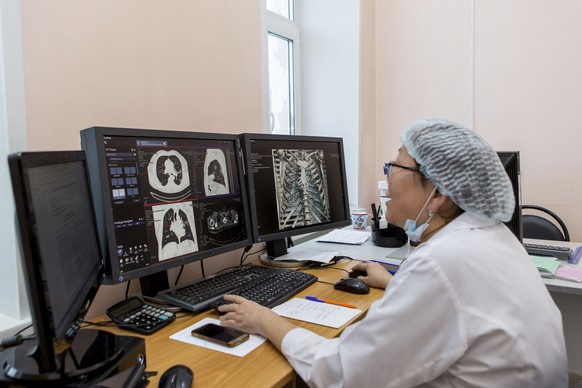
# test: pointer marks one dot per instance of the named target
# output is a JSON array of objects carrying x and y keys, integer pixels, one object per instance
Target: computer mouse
[
  {"x": 354, "y": 286},
  {"x": 178, "y": 376},
  {"x": 357, "y": 272}
]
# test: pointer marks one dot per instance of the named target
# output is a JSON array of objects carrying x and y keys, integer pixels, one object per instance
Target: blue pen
[{"x": 328, "y": 301}]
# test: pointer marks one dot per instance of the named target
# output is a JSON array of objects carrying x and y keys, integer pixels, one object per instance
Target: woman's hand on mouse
[{"x": 377, "y": 275}]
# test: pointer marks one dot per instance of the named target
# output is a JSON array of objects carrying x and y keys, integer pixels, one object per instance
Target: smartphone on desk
[{"x": 226, "y": 336}]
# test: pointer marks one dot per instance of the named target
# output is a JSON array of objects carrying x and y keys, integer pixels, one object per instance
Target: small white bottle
[{"x": 383, "y": 187}]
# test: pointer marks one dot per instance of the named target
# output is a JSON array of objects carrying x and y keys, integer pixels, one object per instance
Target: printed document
[
  {"x": 324, "y": 314},
  {"x": 342, "y": 236}
]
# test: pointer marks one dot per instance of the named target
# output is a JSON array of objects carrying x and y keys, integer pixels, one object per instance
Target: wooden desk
[{"x": 264, "y": 366}]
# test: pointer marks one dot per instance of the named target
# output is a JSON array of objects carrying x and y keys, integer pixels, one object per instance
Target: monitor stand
[
  {"x": 154, "y": 283},
  {"x": 268, "y": 261},
  {"x": 92, "y": 356},
  {"x": 277, "y": 248}
]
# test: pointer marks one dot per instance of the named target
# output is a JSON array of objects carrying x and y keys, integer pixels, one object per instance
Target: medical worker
[{"x": 467, "y": 308}]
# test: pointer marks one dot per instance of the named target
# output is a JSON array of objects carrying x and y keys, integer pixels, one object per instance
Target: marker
[{"x": 315, "y": 299}]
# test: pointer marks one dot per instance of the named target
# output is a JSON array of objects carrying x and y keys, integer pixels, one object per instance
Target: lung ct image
[
  {"x": 175, "y": 230},
  {"x": 223, "y": 219},
  {"x": 302, "y": 190},
  {"x": 168, "y": 176},
  {"x": 216, "y": 174}
]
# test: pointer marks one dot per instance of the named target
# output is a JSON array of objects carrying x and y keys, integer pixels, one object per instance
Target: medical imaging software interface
[
  {"x": 300, "y": 183},
  {"x": 172, "y": 197}
]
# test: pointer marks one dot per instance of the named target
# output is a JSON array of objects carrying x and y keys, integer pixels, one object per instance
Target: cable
[
  {"x": 247, "y": 248},
  {"x": 127, "y": 289},
  {"x": 23, "y": 329},
  {"x": 11, "y": 341},
  {"x": 321, "y": 281},
  {"x": 202, "y": 268},
  {"x": 179, "y": 274},
  {"x": 14, "y": 340},
  {"x": 337, "y": 269},
  {"x": 252, "y": 253},
  {"x": 111, "y": 323}
]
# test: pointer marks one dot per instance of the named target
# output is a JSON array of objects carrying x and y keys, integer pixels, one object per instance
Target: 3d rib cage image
[{"x": 302, "y": 189}]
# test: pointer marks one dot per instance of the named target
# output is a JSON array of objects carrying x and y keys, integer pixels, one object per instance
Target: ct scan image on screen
[
  {"x": 216, "y": 177},
  {"x": 168, "y": 176},
  {"x": 175, "y": 230},
  {"x": 172, "y": 197},
  {"x": 302, "y": 190}
]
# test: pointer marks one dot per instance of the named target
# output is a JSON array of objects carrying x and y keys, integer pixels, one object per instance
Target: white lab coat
[{"x": 466, "y": 309}]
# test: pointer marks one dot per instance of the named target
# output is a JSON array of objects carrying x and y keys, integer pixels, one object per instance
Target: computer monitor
[
  {"x": 164, "y": 198},
  {"x": 297, "y": 185},
  {"x": 59, "y": 252},
  {"x": 510, "y": 161}
]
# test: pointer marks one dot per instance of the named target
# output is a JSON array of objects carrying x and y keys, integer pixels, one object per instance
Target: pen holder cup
[{"x": 390, "y": 237}]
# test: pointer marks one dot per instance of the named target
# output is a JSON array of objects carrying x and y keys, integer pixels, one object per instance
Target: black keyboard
[
  {"x": 198, "y": 296},
  {"x": 548, "y": 250},
  {"x": 273, "y": 289}
]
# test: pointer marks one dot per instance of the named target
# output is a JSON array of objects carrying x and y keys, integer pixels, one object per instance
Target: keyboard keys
[
  {"x": 548, "y": 250},
  {"x": 273, "y": 290},
  {"x": 271, "y": 286}
]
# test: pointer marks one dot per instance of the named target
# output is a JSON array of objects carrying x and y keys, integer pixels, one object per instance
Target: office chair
[
  {"x": 574, "y": 380},
  {"x": 538, "y": 227}
]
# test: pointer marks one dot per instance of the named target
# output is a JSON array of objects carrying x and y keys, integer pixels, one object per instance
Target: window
[
  {"x": 14, "y": 312},
  {"x": 283, "y": 67},
  {"x": 284, "y": 8}
]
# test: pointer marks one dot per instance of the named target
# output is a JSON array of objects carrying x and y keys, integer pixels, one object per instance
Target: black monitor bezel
[
  {"x": 32, "y": 260},
  {"x": 92, "y": 142},
  {"x": 246, "y": 139},
  {"x": 511, "y": 163}
]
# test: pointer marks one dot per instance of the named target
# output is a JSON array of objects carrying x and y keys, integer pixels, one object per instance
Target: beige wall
[
  {"x": 188, "y": 65},
  {"x": 515, "y": 78},
  {"x": 191, "y": 65},
  {"x": 195, "y": 65},
  {"x": 508, "y": 69}
]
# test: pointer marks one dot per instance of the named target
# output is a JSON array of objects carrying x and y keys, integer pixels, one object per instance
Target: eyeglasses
[{"x": 388, "y": 167}]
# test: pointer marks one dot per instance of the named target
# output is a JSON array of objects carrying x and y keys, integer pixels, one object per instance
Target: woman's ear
[{"x": 438, "y": 202}]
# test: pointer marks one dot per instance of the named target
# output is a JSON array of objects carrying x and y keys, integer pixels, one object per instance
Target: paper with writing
[{"x": 316, "y": 312}]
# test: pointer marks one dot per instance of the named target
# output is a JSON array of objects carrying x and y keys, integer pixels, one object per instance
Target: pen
[
  {"x": 315, "y": 299},
  {"x": 374, "y": 212}
]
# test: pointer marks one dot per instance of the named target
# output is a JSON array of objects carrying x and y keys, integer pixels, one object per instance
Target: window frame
[
  {"x": 14, "y": 310},
  {"x": 289, "y": 29}
]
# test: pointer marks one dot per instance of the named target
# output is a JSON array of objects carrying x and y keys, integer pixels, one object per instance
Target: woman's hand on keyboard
[{"x": 253, "y": 318}]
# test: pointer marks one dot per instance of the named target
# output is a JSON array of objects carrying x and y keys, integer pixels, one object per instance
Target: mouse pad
[{"x": 240, "y": 350}]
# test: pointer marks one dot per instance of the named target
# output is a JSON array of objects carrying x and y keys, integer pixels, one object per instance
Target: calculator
[{"x": 136, "y": 315}]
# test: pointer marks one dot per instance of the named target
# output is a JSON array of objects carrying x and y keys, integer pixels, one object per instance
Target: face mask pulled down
[{"x": 414, "y": 232}]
